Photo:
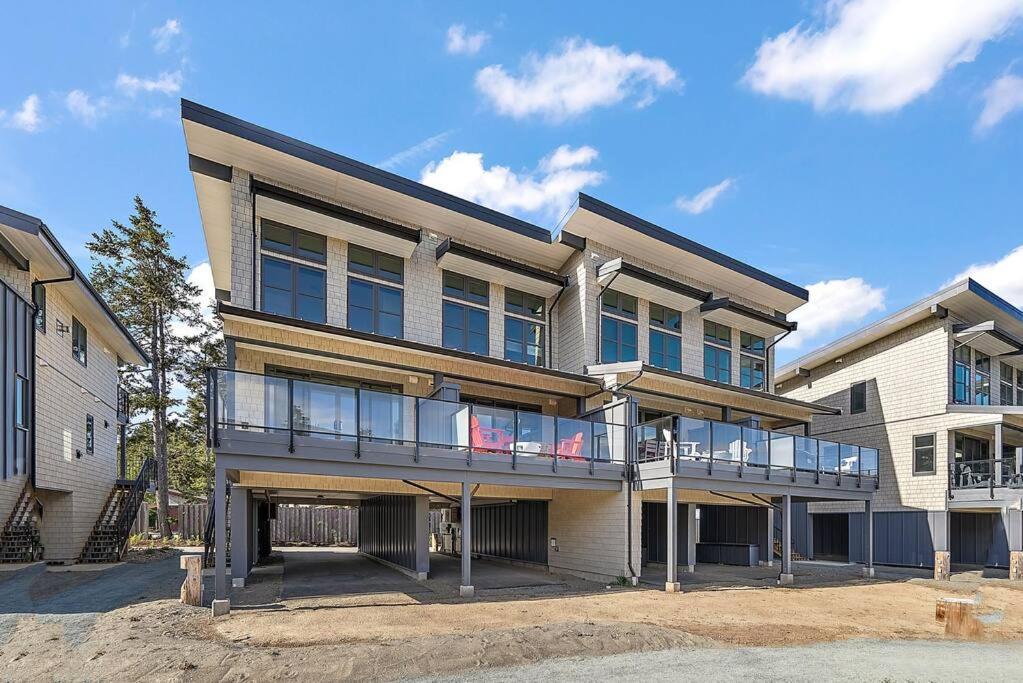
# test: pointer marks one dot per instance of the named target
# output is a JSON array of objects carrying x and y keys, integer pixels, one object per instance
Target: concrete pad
[
  {"x": 56, "y": 568},
  {"x": 446, "y": 570},
  {"x": 18, "y": 566},
  {"x": 339, "y": 572}
]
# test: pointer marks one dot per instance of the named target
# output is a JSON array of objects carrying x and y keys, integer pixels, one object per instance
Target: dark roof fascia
[
  {"x": 212, "y": 169},
  {"x": 336, "y": 211},
  {"x": 649, "y": 229},
  {"x": 20, "y": 221},
  {"x": 197, "y": 113},
  {"x": 570, "y": 239},
  {"x": 449, "y": 246},
  {"x": 728, "y": 304},
  {"x": 993, "y": 299},
  {"x": 262, "y": 316},
  {"x": 11, "y": 252},
  {"x": 990, "y": 328},
  {"x": 816, "y": 407},
  {"x": 656, "y": 280}
]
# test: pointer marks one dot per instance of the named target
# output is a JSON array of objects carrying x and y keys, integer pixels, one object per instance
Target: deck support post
[
  {"x": 767, "y": 552},
  {"x": 466, "y": 589},
  {"x": 671, "y": 584},
  {"x": 786, "y": 540},
  {"x": 868, "y": 514},
  {"x": 221, "y": 602},
  {"x": 240, "y": 519}
]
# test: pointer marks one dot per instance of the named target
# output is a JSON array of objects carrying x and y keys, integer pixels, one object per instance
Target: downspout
[
  {"x": 600, "y": 295},
  {"x": 550, "y": 327},
  {"x": 629, "y": 478}
]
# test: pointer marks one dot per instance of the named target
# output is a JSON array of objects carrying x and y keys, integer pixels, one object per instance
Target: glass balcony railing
[
  {"x": 709, "y": 441},
  {"x": 262, "y": 403}
]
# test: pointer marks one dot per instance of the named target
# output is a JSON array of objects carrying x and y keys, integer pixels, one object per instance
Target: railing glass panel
[
  {"x": 534, "y": 436},
  {"x": 830, "y": 457},
  {"x": 782, "y": 451},
  {"x": 868, "y": 461},
  {"x": 654, "y": 439},
  {"x": 575, "y": 439},
  {"x": 444, "y": 423},
  {"x": 850, "y": 459},
  {"x": 727, "y": 443},
  {"x": 693, "y": 438},
  {"x": 324, "y": 410},
  {"x": 757, "y": 443}
]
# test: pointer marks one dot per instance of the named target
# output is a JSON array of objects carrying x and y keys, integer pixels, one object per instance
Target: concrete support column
[
  {"x": 786, "y": 540},
  {"x": 671, "y": 583},
  {"x": 240, "y": 535},
  {"x": 1013, "y": 521},
  {"x": 422, "y": 537},
  {"x": 868, "y": 515},
  {"x": 767, "y": 551},
  {"x": 940, "y": 540},
  {"x": 466, "y": 590},
  {"x": 689, "y": 519},
  {"x": 253, "y": 532},
  {"x": 221, "y": 603}
]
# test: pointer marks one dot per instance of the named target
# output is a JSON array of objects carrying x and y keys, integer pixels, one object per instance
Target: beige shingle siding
[
  {"x": 591, "y": 531},
  {"x": 907, "y": 375},
  {"x": 11, "y": 487}
]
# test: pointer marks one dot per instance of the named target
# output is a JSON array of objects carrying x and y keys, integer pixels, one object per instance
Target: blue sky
[{"x": 870, "y": 150}]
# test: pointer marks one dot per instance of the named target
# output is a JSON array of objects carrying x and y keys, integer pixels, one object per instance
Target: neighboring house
[
  {"x": 396, "y": 347},
  {"x": 62, "y": 409},
  {"x": 938, "y": 388}
]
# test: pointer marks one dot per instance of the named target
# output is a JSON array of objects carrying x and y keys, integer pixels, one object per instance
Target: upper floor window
[
  {"x": 294, "y": 290},
  {"x": 961, "y": 374},
  {"x": 923, "y": 454},
  {"x": 523, "y": 303},
  {"x": 751, "y": 373},
  {"x": 1006, "y": 391},
  {"x": 464, "y": 287},
  {"x": 981, "y": 378},
  {"x": 524, "y": 334},
  {"x": 90, "y": 435},
  {"x": 858, "y": 398},
  {"x": 618, "y": 303},
  {"x": 618, "y": 337},
  {"x": 21, "y": 402},
  {"x": 1019, "y": 387},
  {"x": 374, "y": 307},
  {"x": 752, "y": 344},
  {"x": 40, "y": 299},
  {"x": 375, "y": 264},
  {"x": 292, "y": 241},
  {"x": 466, "y": 328},
  {"x": 665, "y": 340},
  {"x": 717, "y": 352},
  {"x": 79, "y": 342}
]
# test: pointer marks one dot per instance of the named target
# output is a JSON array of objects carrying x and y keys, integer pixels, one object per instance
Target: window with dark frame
[
  {"x": 981, "y": 379},
  {"x": 376, "y": 264},
  {"x": 375, "y": 308},
  {"x": 858, "y": 398},
  {"x": 285, "y": 239},
  {"x": 1007, "y": 391},
  {"x": 90, "y": 435},
  {"x": 751, "y": 373},
  {"x": 523, "y": 341},
  {"x": 293, "y": 290},
  {"x": 961, "y": 374},
  {"x": 1019, "y": 387},
  {"x": 619, "y": 303},
  {"x": 459, "y": 286},
  {"x": 665, "y": 338},
  {"x": 618, "y": 338},
  {"x": 21, "y": 402},
  {"x": 717, "y": 352},
  {"x": 752, "y": 344},
  {"x": 79, "y": 342},
  {"x": 465, "y": 328},
  {"x": 923, "y": 454},
  {"x": 40, "y": 299},
  {"x": 524, "y": 303}
]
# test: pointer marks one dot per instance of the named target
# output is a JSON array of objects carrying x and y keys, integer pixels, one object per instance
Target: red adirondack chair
[
  {"x": 487, "y": 439},
  {"x": 572, "y": 449}
]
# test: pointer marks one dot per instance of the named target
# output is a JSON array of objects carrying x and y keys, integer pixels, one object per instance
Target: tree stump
[
  {"x": 191, "y": 588},
  {"x": 959, "y": 616}
]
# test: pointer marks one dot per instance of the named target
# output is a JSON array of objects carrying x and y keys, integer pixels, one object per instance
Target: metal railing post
[
  {"x": 593, "y": 446},
  {"x": 517, "y": 434},
  {"x": 793, "y": 458},
  {"x": 817, "y": 469},
  {"x": 710, "y": 438},
  {"x": 769, "y": 456},
  {"x": 291, "y": 416},
  {"x": 557, "y": 444},
  {"x": 859, "y": 466},
  {"x": 358, "y": 422},
  {"x": 468, "y": 454},
  {"x": 673, "y": 446},
  {"x": 416, "y": 416}
]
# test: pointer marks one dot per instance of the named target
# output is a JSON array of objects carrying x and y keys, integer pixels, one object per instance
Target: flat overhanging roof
[
  {"x": 733, "y": 314},
  {"x": 477, "y": 263},
  {"x": 987, "y": 338},
  {"x": 622, "y": 276}
]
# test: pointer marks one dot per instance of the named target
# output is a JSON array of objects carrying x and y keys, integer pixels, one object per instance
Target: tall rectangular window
[
  {"x": 79, "y": 342},
  {"x": 923, "y": 454},
  {"x": 523, "y": 341},
  {"x": 466, "y": 328},
  {"x": 618, "y": 337},
  {"x": 21, "y": 402},
  {"x": 375, "y": 264},
  {"x": 40, "y": 299},
  {"x": 981, "y": 378},
  {"x": 858, "y": 398},
  {"x": 665, "y": 339},
  {"x": 90, "y": 435},
  {"x": 752, "y": 344},
  {"x": 717, "y": 352},
  {"x": 961, "y": 374},
  {"x": 751, "y": 373},
  {"x": 285, "y": 239},
  {"x": 1019, "y": 387},
  {"x": 1007, "y": 391},
  {"x": 376, "y": 308},
  {"x": 293, "y": 290}
]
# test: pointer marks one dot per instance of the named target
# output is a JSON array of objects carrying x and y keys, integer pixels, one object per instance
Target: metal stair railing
[
  {"x": 130, "y": 502},
  {"x": 210, "y": 530}
]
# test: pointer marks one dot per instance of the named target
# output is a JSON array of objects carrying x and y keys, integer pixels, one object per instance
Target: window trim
[
  {"x": 667, "y": 334},
  {"x": 968, "y": 365},
  {"x": 293, "y": 252},
  {"x": 603, "y": 337},
  {"x": 466, "y": 309},
  {"x": 83, "y": 356},
  {"x": 979, "y": 375},
  {"x": 750, "y": 351},
  {"x": 524, "y": 321},
  {"x": 934, "y": 454},
  {"x": 852, "y": 407},
  {"x": 376, "y": 305},
  {"x": 661, "y": 326},
  {"x": 295, "y": 266},
  {"x": 377, "y": 273},
  {"x": 1004, "y": 384},
  {"x": 751, "y": 358}
]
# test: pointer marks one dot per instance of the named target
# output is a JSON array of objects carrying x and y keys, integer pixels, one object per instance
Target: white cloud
[
  {"x": 167, "y": 83},
  {"x": 1004, "y": 277},
  {"x": 202, "y": 277},
  {"x": 413, "y": 152},
  {"x": 705, "y": 199},
  {"x": 833, "y": 305},
  {"x": 28, "y": 118},
  {"x": 1003, "y": 97},
  {"x": 548, "y": 190},
  {"x": 164, "y": 35},
  {"x": 84, "y": 108},
  {"x": 574, "y": 80},
  {"x": 877, "y": 55},
  {"x": 461, "y": 43}
]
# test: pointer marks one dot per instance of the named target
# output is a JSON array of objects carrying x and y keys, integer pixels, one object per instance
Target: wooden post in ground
[{"x": 191, "y": 587}]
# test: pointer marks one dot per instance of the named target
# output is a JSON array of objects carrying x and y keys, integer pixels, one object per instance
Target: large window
[
  {"x": 752, "y": 344},
  {"x": 466, "y": 328},
  {"x": 373, "y": 307},
  {"x": 294, "y": 290},
  {"x": 79, "y": 342},
  {"x": 1006, "y": 392},
  {"x": 21, "y": 402},
  {"x": 981, "y": 378},
  {"x": 961, "y": 374},
  {"x": 618, "y": 336},
  {"x": 375, "y": 264},
  {"x": 523, "y": 341},
  {"x": 1019, "y": 387},
  {"x": 40, "y": 299},
  {"x": 292, "y": 241},
  {"x": 751, "y": 360},
  {"x": 523, "y": 303},
  {"x": 665, "y": 339},
  {"x": 717, "y": 352},
  {"x": 468, "y": 288},
  {"x": 923, "y": 454},
  {"x": 858, "y": 398}
]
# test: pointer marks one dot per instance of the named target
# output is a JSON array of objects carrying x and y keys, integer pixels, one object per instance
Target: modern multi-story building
[
  {"x": 63, "y": 411},
  {"x": 937, "y": 388},
  {"x": 394, "y": 345}
]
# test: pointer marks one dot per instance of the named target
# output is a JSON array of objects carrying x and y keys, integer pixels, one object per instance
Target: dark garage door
[
  {"x": 513, "y": 531},
  {"x": 971, "y": 537},
  {"x": 831, "y": 537}
]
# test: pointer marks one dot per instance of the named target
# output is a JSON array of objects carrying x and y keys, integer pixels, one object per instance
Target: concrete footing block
[
  {"x": 672, "y": 587},
  {"x": 466, "y": 591},
  {"x": 1016, "y": 565},
  {"x": 786, "y": 579},
  {"x": 942, "y": 565},
  {"x": 221, "y": 608},
  {"x": 238, "y": 583},
  {"x": 868, "y": 572},
  {"x": 634, "y": 581},
  {"x": 688, "y": 568}
]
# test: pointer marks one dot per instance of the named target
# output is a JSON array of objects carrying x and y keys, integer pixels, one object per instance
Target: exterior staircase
[
  {"x": 19, "y": 541},
  {"x": 796, "y": 557},
  {"x": 110, "y": 534}
]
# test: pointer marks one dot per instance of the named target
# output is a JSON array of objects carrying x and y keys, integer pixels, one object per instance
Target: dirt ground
[{"x": 398, "y": 635}]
